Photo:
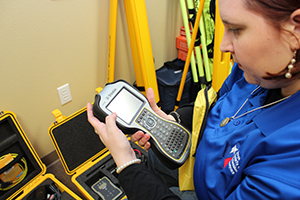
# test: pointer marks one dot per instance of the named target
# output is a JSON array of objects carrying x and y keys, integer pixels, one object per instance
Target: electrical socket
[{"x": 64, "y": 94}]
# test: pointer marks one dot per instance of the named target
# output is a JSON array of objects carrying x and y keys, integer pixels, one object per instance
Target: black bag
[{"x": 168, "y": 81}]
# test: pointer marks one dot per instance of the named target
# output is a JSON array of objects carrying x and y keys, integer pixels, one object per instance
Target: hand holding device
[
  {"x": 169, "y": 140},
  {"x": 112, "y": 137}
]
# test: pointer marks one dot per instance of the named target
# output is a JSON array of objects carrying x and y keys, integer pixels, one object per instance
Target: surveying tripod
[
  {"x": 141, "y": 48},
  {"x": 140, "y": 42}
]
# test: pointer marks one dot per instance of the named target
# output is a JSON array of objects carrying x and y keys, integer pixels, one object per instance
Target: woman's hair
[{"x": 277, "y": 12}]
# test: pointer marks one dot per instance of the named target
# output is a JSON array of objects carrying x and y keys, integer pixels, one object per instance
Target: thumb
[
  {"x": 151, "y": 99},
  {"x": 110, "y": 120}
]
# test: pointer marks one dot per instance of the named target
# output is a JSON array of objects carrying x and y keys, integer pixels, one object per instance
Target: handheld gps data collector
[{"x": 169, "y": 140}]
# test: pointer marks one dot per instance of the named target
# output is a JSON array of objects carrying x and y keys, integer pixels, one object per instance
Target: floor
[{"x": 58, "y": 171}]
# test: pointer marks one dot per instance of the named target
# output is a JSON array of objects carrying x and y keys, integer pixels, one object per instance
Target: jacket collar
[{"x": 279, "y": 115}]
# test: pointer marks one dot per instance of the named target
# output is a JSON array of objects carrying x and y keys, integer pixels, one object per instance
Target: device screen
[{"x": 125, "y": 104}]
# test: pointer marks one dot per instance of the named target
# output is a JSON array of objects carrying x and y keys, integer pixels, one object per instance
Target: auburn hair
[{"x": 277, "y": 12}]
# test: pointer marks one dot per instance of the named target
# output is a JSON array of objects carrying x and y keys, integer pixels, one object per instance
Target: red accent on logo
[{"x": 226, "y": 161}]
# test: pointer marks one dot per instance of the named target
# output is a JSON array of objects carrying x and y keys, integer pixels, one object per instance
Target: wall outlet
[{"x": 64, "y": 94}]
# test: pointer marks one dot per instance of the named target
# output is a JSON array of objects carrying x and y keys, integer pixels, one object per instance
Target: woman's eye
[{"x": 235, "y": 30}]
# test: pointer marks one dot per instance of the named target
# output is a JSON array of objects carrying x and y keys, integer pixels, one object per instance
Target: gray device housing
[{"x": 134, "y": 113}]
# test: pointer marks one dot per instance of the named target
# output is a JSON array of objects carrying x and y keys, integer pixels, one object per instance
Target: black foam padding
[
  {"x": 77, "y": 141},
  {"x": 12, "y": 142},
  {"x": 47, "y": 182}
]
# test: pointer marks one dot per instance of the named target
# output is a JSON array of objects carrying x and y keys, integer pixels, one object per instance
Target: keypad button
[{"x": 150, "y": 122}]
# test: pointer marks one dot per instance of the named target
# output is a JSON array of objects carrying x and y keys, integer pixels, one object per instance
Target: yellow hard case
[
  {"x": 82, "y": 153},
  {"x": 14, "y": 140}
]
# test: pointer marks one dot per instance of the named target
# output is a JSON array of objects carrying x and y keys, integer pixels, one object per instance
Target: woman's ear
[{"x": 295, "y": 20}]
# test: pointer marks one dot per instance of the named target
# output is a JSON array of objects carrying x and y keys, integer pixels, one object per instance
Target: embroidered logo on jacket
[{"x": 232, "y": 158}]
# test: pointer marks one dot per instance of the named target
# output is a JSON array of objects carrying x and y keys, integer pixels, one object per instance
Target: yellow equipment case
[
  {"x": 22, "y": 173},
  {"x": 83, "y": 155}
]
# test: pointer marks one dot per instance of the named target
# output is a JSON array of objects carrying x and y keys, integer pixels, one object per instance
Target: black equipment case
[
  {"x": 82, "y": 153},
  {"x": 32, "y": 182}
]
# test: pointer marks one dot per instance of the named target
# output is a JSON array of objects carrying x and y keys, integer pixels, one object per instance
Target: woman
[{"x": 251, "y": 144}]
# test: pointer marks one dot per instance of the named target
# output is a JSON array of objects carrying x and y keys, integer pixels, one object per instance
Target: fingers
[
  {"x": 89, "y": 111},
  {"x": 155, "y": 108},
  {"x": 135, "y": 137},
  {"x": 112, "y": 137},
  {"x": 91, "y": 118},
  {"x": 142, "y": 139},
  {"x": 110, "y": 122},
  {"x": 151, "y": 99},
  {"x": 99, "y": 127},
  {"x": 109, "y": 129},
  {"x": 147, "y": 146}
]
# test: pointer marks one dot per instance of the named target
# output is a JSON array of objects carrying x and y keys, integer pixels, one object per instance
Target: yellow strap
[
  {"x": 186, "y": 170},
  {"x": 221, "y": 64}
]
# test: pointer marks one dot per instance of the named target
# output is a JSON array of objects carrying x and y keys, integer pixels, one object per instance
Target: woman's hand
[
  {"x": 112, "y": 137},
  {"x": 155, "y": 108},
  {"x": 140, "y": 137}
]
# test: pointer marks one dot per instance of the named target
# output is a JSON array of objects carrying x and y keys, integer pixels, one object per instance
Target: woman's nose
[{"x": 226, "y": 44}]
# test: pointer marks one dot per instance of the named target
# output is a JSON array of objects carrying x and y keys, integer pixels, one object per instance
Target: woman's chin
[{"x": 250, "y": 79}]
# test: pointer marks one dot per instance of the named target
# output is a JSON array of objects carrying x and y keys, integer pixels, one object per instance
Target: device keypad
[{"x": 172, "y": 138}]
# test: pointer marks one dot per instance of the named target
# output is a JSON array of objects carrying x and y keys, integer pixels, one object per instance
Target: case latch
[
  {"x": 99, "y": 89},
  {"x": 58, "y": 116}
]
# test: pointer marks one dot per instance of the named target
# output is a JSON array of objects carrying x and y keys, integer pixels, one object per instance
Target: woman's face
[{"x": 255, "y": 45}]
